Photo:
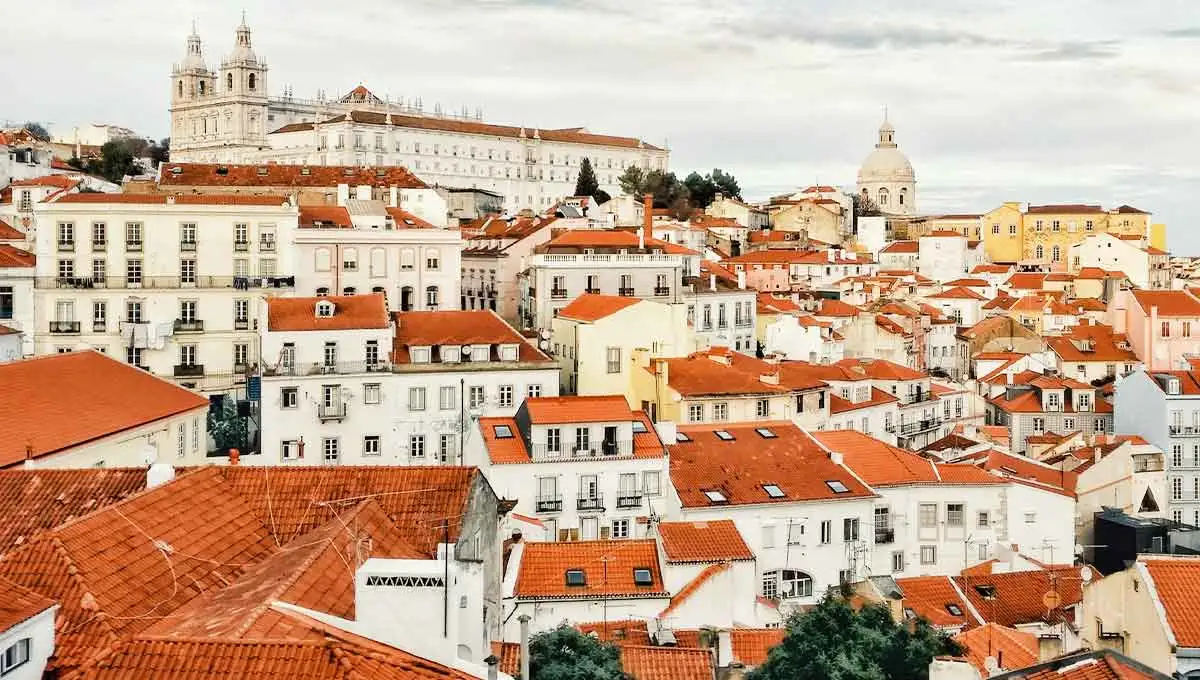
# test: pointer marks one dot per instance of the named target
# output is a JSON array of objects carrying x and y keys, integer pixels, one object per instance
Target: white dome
[{"x": 886, "y": 164}]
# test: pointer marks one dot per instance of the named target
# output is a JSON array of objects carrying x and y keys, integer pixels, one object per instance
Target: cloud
[
  {"x": 1190, "y": 32},
  {"x": 1075, "y": 51}
]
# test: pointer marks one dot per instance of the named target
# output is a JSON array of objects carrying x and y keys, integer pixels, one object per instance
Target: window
[
  {"x": 1176, "y": 455},
  {"x": 983, "y": 521},
  {"x": 241, "y": 351},
  {"x": 826, "y": 531},
  {"x": 927, "y": 515},
  {"x": 762, "y": 408},
  {"x": 613, "y": 355},
  {"x": 416, "y": 399},
  {"x": 506, "y": 396},
  {"x": 371, "y": 445},
  {"x": 695, "y": 413},
  {"x": 533, "y": 391},
  {"x": 350, "y": 260},
  {"x": 433, "y": 261},
  {"x": 133, "y": 272},
  {"x": 476, "y": 396},
  {"x": 620, "y": 529},
  {"x": 720, "y": 411},
  {"x": 955, "y": 514},
  {"x": 431, "y": 297},
  {"x": 773, "y": 490},
  {"x": 187, "y": 235},
  {"x": 416, "y": 445},
  {"x": 66, "y": 235},
  {"x": 576, "y": 578},
  {"x": 1166, "y": 329},
  {"x": 1030, "y": 517},
  {"x": 850, "y": 529},
  {"x": 446, "y": 447},
  {"x": 582, "y": 439},
  {"x": 7, "y": 302},
  {"x": 651, "y": 483},
  {"x": 898, "y": 561},
  {"x": 795, "y": 583},
  {"x": 1176, "y": 489},
  {"x": 330, "y": 449},
  {"x": 133, "y": 235},
  {"x": 714, "y": 496},
  {"x": 1039, "y": 425},
  {"x": 289, "y": 449},
  {"x": 372, "y": 393},
  {"x": 836, "y": 486},
  {"x": 187, "y": 271},
  {"x": 929, "y": 554},
  {"x": 16, "y": 655}
]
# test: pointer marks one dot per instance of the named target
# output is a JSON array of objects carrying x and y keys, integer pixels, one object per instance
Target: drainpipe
[
  {"x": 524, "y": 621},
  {"x": 492, "y": 672}
]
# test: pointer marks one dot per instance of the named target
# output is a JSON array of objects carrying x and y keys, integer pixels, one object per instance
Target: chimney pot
[
  {"x": 234, "y": 455},
  {"x": 648, "y": 216}
]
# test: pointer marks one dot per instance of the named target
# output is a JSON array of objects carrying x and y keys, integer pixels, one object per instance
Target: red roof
[
  {"x": 902, "y": 248},
  {"x": 691, "y": 588},
  {"x": 11, "y": 256},
  {"x": 880, "y": 464},
  {"x": 1175, "y": 581},
  {"x": 1015, "y": 598},
  {"x": 933, "y": 597},
  {"x": 627, "y": 632},
  {"x": 457, "y": 327},
  {"x": 1096, "y": 665},
  {"x": 593, "y": 306},
  {"x": 577, "y": 409},
  {"x": 350, "y": 312},
  {"x": 275, "y": 175},
  {"x": 881, "y": 369},
  {"x": 403, "y": 219},
  {"x": 837, "y": 308},
  {"x": 701, "y": 374},
  {"x": 176, "y": 199},
  {"x": 54, "y": 181},
  {"x": 608, "y": 568},
  {"x": 770, "y": 304},
  {"x": 667, "y": 663},
  {"x": 73, "y": 397},
  {"x": 611, "y": 238},
  {"x": 1169, "y": 302},
  {"x": 709, "y": 471},
  {"x": 991, "y": 269},
  {"x": 783, "y": 256},
  {"x": 18, "y": 604},
  {"x": 1026, "y": 281},
  {"x": 9, "y": 233},
  {"x": 714, "y": 541},
  {"x": 324, "y": 217},
  {"x": 33, "y": 500},
  {"x": 1009, "y": 647},
  {"x": 512, "y": 448},
  {"x": 957, "y": 293},
  {"x": 839, "y": 405},
  {"x": 1091, "y": 342},
  {"x": 751, "y": 645}
]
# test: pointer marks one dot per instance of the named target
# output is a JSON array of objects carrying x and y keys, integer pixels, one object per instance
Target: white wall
[
  {"x": 39, "y": 630},
  {"x": 137, "y": 447}
]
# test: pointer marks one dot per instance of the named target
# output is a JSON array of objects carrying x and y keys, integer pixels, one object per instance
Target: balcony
[
  {"x": 189, "y": 370},
  {"x": 66, "y": 246},
  {"x": 628, "y": 500},
  {"x": 64, "y": 327},
  {"x": 241, "y": 246},
  {"x": 266, "y": 246},
  {"x": 327, "y": 412},
  {"x": 625, "y": 292},
  {"x": 885, "y": 536},
  {"x": 133, "y": 246},
  {"x": 548, "y": 504},
  {"x": 661, "y": 291},
  {"x": 99, "y": 327},
  {"x": 241, "y": 324},
  {"x": 558, "y": 293},
  {"x": 1147, "y": 464},
  {"x": 337, "y": 368},
  {"x": 622, "y": 447},
  {"x": 187, "y": 246},
  {"x": 919, "y": 426},
  {"x": 593, "y": 291},
  {"x": 99, "y": 246},
  {"x": 592, "y": 503},
  {"x": 1183, "y": 431},
  {"x": 189, "y": 326},
  {"x": 165, "y": 282}
]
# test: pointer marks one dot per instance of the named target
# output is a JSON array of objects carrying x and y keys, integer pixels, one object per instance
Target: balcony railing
[
  {"x": 187, "y": 246},
  {"x": 558, "y": 293},
  {"x": 337, "y": 368},
  {"x": 660, "y": 291},
  {"x": 66, "y": 246},
  {"x": 589, "y": 503},
  {"x": 548, "y": 504},
  {"x": 189, "y": 370},
  {"x": 626, "y": 292},
  {"x": 241, "y": 246},
  {"x": 326, "y": 412},
  {"x": 99, "y": 327},
  {"x": 165, "y": 282},
  {"x": 1147, "y": 465},
  {"x": 64, "y": 327},
  {"x": 919, "y": 426},
  {"x": 133, "y": 246},
  {"x": 1183, "y": 431},
  {"x": 883, "y": 536},
  {"x": 266, "y": 246},
  {"x": 189, "y": 326},
  {"x": 629, "y": 499},
  {"x": 241, "y": 324},
  {"x": 592, "y": 290},
  {"x": 99, "y": 246}
]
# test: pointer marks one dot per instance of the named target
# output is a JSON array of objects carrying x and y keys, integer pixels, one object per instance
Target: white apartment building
[
  {"x": 367, "y": 246},
  {"x": 1033, "y": 404},
  {"x": 1163, "y": 408},
  {"x": 721, "y": 312},
  {"x": 22, "y": 156},
  {"x": 947, "y": 255},
  {"x": 227, "y": 115},
  {"x": 585, "y": 467},
  {"x": 17, "y": 269},
  {"x": 1145, "y": 265},
  {"x": 605, "y": 262},
  {"x": 345, "y": 384},
  {"x": 166, "y": 282},
  {"x": 493, "y": 260}
]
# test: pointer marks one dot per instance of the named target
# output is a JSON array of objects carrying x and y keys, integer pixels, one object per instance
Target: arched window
[
  {"x": 903, "y": 193},
  {"x": 180, "y": 88},
  {"x": 349, "y": 290},
  {"x": 322, "y": 291},
  {"x": 883, "y": 197},
  {"x": 229, "y": 82},
  {"x": 201, "y": 87},
  {"x": 1039, "y": 252},
  {"x": 786, "y": 583},
  {"x": 1055, "y": 254},
  {"x": 322, "y": 259},
  {"x": 251, "y": 81},
  {"x": 431, "y": 297}
]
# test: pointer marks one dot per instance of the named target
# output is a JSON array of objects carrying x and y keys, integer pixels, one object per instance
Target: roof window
[
  {"x": 639, "y": 427},
  {"x": 765, "y": 433},
  {"x": 324, "y": 309},
  {"x": 262, "y": 171},
  {"x": 503, "y": 432},
  {"x": 642, "y": 576},
  {"x": 176, "y": 170},
  {"x": 724, "y": 435},
  {"x": 836, "y": 486},
  {"x": 773, "y": 490},
  {"x": 714, "y": 496},
  {"x": 954, "y": 609},
  {"x": 682, "y": 437},
  {"x": 576, "y": 578},
  {"x": 986, "y": 590}
]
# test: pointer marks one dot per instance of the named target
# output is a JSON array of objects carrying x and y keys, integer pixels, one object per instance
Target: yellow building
[
  {"x": 967, "y": 225},
  {"x": 822, "y": 219},
  {"x": 1044, "y": 234}
]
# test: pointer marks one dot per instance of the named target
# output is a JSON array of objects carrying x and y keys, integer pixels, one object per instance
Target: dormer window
[
  {"x": 508, "y": 352},
  {"x": 419, "y": 355},
  {"x": 639, "y": 427},
  {"x": 503, "y": 432},
  {"x": 324, "y": 309},
  {"x": 576, "y": 578},
  {"x": 1173, "y": 386},
  {"x": 451, "y": 354},
  {"x": 723, "y": 435}
]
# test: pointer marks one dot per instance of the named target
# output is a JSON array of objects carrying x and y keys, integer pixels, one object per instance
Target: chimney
[
  {"x": 1049, "y": 647},
  {"x": 724, "y": 647},
  {"x": 234, "y": 455},
  {"x": 492, "y": 664},
  {"x": 648, "y": 216},
  {"x": 393, "y": 193},
  {"x": 523, "y": 619},
  {"x": 741, "y": 279}
]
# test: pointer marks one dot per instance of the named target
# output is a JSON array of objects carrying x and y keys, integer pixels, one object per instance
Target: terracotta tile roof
[
  {"x": 751, "y": 645},
  {"x": 890, "y": 326},
  {"x": 72, "y": 395},
  {"x": 837, "y": 308},
  {"x": 944, "y": 233},
  {"x": 11, "y": 256},
  {"x": 611, "y": 238},
  {"x": 713, "y": 541},
  {"x": 513, "y": 449},
  {"x": 275, "y": 175},
  {"x": 403, "y": 219},
  {"x": 769, "y": 304},
  {"x": 509, "y": 654},
  {"x": 350, "y": 312},
  {"x": 1169, "y": 302},
  {"x": 968, "y": 282},
  {"x": 1015, "y": 598},
  {"x": 593, "y": 306},
  {"x": 699, "y": 374},
  {"x": 33, "y": 500},
  {"x": 324, "y": 217},
  {"x": 1088, "y": 305},
  {"x": 457, "y": 327},
  {"x": 957, "y": 293},
  {"x": 1026, "y": 281},
  {"x": 577, "y": 409},
  {"x": 839, "y": 405},
  {"x": 1010, "y": 648},
  {"x": 741, "y": 469},
  {"x": 991, "y": 269},
  {"x": 1095, "y": 665},
  {"x": 1002, "y": 301},
  {"x": 1189, "y": 381},
  {"x": 901, "y": 248},
  {"x": 18, "y": 604},
  {"x": 933, "y": 597},
  {"x": 1175, "y": 582},
  {"x": 785, "y": 256},
  {"x": 9, "y": 233},
  {"x": 881, "y": 465},
  {"x": 608, "y": 568},
  {"x": 881, "y": 369},
  {"x": 628, "y": 632},
  {"x": 667, "y": 663},
  {"x": 55, "y": 181},
  {"x": 1091, "y": 342},
  {"x": 1064, "y": 209},
  {"x": 692, "y": 587},
  {"x": 176, "y": 199},
  {"x": 1028, "y": 401}
]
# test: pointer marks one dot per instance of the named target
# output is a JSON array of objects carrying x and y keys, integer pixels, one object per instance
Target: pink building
[{"x": 1162, "y": 325}]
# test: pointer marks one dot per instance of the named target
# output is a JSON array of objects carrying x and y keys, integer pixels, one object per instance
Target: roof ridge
[{"x": 685, "y": 593}]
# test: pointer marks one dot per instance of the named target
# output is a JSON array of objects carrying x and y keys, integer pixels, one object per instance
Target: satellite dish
[
  {"x": 465, "y": 350},
  {"x": 1085, "y": 574},
  {"x": 544, "y": 344}
]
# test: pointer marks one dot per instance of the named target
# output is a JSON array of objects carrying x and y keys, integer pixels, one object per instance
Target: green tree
[
  {"x": 601, "y": 197},
  {"x": 37, "y": 130},
  {"x": 586, "y": 184},
  {"x": 227, "y": 428},
  {"x": 116, "y": 160},
  {"x": 632, "y": 181},
  {"x": 703, "y": 189},
  {"x": 160, "y": 152},
  {"x": 564, "y": 653},
  {"x": 834, "y": 642}
]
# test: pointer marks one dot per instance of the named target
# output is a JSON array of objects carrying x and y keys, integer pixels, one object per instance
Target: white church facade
[
  {"x": 225, "y": 115},
  {"x": 886, "y": 176}
]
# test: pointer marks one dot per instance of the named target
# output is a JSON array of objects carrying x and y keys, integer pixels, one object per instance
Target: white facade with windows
[
  {"x": 169, "y": 283},
  {"x": 721, "y": 316},
  {"x": 16, "y": 300},
  {"x": 26, "y": 646},
  {"x": 1164, "y": 409}
]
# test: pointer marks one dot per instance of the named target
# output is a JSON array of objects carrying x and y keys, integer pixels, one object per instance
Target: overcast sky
[{"x": 1052, "y": 101}]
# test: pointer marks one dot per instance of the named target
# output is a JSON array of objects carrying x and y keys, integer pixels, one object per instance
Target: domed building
[{"x": 887, "y": 177}]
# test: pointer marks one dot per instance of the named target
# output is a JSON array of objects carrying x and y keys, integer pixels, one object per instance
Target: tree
[
  {"x": 632, "y": 180},
  {"x": 864, "y": 206},
  {"x": 564, "y": 653},
  {"x": 703, "y": 189},
  {"x": 832, "y": 641},
  {"x": 586, "y": 184},
  {"x": 601, "y": 197},
  {"x": 37, "y": 130},
  {"x": 227, "y": 428},
  {"x": 116, "y": 160},
  {"x": 160, "y": 152}
]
